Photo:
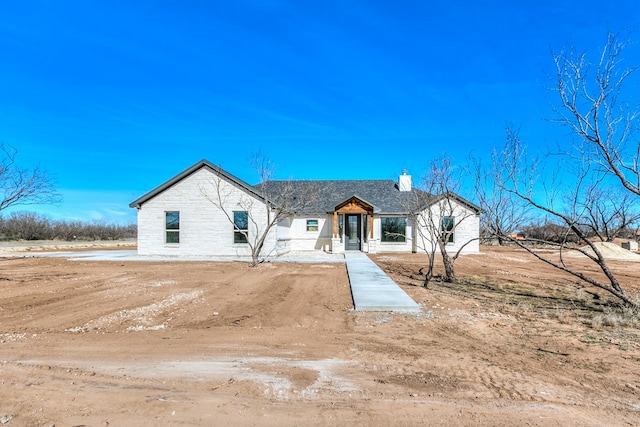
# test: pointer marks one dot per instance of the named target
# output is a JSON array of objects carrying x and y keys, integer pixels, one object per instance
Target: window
[
  {"x": 172, "y": 227},
  {"x": 312, "y": 225},
  {"x": 365, "y": 228},
  {"x": 240, "y": 226},
  {"x": 447, "y": 228},
  {"x": 393, "y": 229}
]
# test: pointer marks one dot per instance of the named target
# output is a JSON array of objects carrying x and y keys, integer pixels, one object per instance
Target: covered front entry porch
[{"x": 353, "y": 227}]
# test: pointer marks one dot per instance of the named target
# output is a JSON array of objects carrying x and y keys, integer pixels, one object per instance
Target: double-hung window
[
  {"x": 240, "y": 226},
  {"x": 393, "y": 229},
  {"x": 172, "y": 227},
  {"x": 447, "y": 228}
]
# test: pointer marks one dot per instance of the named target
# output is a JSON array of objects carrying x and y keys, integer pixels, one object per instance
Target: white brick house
[{"x": 206, "y": 211}]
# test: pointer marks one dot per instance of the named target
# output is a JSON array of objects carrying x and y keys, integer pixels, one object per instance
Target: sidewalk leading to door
[{"x": 372, "y": 289}]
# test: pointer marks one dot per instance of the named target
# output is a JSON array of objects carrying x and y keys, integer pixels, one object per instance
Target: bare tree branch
[
  {"x": 437, "y": 213},
  {"x": 590, "y": 106},
  {"x": 23, "y": 186},
  {"x": 269, "y": 205},
  {"x": 517, "y": 182},
  {"x": 503, "y": 214}
]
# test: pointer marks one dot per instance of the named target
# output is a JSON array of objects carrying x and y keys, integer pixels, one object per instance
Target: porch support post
[
  {"x": 336, "y": 244},
  {"x": 371, "y": 226}
]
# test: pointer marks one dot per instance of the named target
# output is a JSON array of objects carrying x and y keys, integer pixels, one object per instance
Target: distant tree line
[
  {"x": 32, "y": 226},
  {"x": 543, "y": 231}
]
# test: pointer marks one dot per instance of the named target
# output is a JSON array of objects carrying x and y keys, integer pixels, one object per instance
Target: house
[{"x": 206, "y": 211}]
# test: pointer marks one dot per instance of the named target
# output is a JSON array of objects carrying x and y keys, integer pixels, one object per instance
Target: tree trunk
[
  {"x": 447, "y": 260},
  {"x": 449, "y": 272},
  {"x": 429, "y": 274},
  {"x": 256, "y": 249}
]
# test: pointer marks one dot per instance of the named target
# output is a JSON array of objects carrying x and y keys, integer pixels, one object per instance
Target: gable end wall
[{"x": 204, "y": 228}]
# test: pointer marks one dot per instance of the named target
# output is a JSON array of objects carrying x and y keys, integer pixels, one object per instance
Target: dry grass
[
  {"x": 618, "y": 318},
  {"x": 532, "y": 294}
]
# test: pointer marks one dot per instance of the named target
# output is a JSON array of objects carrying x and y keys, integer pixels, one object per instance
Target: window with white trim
[
  {"x": 448, "y": 229},
  {"x": 172, "y": 227},
  {"x": 240, "y": 226},
  {"x": 393, "y": 229},
  {"x": 312, "y": 225}
]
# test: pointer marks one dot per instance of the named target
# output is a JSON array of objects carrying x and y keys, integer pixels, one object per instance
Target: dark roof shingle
[
  {"x": 320, "y": 196},
  {"x": 324, "y": 195}
]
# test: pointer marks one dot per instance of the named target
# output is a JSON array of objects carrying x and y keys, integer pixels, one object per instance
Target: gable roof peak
[{"x": 204, "y": 163}]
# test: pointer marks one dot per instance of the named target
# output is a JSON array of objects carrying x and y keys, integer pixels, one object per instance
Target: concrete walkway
[{"x": 372, "y": 289}]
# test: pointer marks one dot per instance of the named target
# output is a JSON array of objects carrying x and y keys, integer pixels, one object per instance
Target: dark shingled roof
[
  {"x": 324, "y": 196},
  {"x": 320, "y": 197}
]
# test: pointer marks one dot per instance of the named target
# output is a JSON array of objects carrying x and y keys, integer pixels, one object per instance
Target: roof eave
[{"x": 189, "y": 171}]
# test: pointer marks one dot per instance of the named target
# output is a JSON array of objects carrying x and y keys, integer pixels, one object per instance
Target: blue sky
[{"x": 115, "y": 97}]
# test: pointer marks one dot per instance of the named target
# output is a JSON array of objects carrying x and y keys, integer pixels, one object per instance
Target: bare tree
[
  {"x": 565, "y": 205},
  {"x": 21, "y": 186},
  {"x": 255, "y": 214},
  {"x": 547, "y": 229},
  {"x": 608, "y": 211},
  {"x": 503, "y": 213},
  {"x": 598, "y": 197},
  {"x": 437, "y": 213},
  {"x": 606, "y": 128}
]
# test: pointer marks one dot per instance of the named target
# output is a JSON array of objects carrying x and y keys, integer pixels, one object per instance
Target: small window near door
[
  {"x": 172, "y": 227},
  {"x": 365, "y": 228},
  {"x": 312, "y": 225},
  {"x": 448, "y": 229},
  {"x": 240, "y": 226},
  {"x": 393, "y": 229}
]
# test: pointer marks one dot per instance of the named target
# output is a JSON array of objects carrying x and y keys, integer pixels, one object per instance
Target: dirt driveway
[{"x": 201, "y": 343}]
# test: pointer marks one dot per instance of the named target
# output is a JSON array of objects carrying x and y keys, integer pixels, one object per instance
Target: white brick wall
[
  {"x": 204, "y": 228},
  {"x": 466, "y": 229},
  {"x": 303, "y": 240}
]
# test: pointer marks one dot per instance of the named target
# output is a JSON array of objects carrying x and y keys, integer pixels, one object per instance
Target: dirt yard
[{"x": 97, "y": 343}]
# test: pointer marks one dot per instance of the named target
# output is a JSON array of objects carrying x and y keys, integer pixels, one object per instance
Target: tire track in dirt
[
  {"x": 140, "y": 318},
  {"x": 77, "y": 299},
  {"x": 432, "y": 364},
  {"x": 478, "y": 359}
]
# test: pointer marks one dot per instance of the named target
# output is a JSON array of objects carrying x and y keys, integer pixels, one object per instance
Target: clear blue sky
[{"x": 114, "y": 97}]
